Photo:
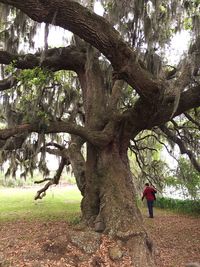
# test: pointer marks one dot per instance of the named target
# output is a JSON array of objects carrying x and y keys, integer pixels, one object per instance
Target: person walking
[{"x": 149, "y": 193}]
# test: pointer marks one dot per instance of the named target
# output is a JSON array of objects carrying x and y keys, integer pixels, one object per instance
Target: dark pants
[{"x": 150, "y": 207}]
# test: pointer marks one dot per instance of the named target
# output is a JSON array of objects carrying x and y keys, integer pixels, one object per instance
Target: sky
[{"x": 178, "y": 45}]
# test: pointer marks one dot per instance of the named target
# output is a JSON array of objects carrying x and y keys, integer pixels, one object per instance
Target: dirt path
[
  {"x": 177, "y": 238},
  {"x": 46, "y": 244}
]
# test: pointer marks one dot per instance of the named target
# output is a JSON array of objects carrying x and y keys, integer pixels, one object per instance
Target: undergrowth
[{"x": 183, "y": 206}]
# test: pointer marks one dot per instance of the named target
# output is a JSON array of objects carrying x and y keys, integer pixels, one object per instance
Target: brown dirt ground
[{"x": 46, "y": 244}]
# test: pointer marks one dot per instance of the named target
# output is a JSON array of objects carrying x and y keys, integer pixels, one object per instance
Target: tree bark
[{"x": 110, "y": 201}]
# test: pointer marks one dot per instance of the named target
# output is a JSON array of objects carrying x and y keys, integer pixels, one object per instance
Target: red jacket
[{"x": 149, "y": 193}]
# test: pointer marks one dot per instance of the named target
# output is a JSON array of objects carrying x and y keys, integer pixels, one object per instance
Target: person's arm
[{"x": 144, "y": 193}]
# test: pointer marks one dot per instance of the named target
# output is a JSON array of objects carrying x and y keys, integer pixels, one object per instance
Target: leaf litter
[{"x": 176, "y": 241}]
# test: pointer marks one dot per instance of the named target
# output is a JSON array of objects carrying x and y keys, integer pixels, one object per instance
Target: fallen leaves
[{"x": 48, "y": 244}]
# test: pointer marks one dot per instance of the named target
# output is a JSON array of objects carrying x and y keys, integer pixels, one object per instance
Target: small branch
[
  {"x": 192, "y": 120},
  {"x": 144, "y": 148},
  {"x": 138, "y": 155},
  {"x": 182, "y": 146},
  {"x": 42, "y": 192},
  {"x": 42, "y": 181},
  {"x": 142, "y": 138},
  {"x": 162, "y": 143}
]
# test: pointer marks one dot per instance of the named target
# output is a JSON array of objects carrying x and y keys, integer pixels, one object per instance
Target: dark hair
[{"x": 147, "y": 184}]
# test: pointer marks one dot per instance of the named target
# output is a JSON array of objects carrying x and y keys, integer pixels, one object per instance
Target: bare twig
[{"x": 182, "y": 147}]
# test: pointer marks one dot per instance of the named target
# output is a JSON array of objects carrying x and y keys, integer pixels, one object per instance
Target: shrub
[{"x": 184, "y": 206}]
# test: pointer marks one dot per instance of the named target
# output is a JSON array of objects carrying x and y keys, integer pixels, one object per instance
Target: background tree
[
  {"x": 107, "y": 87},
  {"x": 185, "y": 178}
]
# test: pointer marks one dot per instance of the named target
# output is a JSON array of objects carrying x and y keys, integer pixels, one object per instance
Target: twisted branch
[{"x": 55, "y": 180}]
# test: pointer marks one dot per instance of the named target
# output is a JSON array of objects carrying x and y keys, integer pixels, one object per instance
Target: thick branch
[
  {"x": 96, "y": 31},
  {"x": 63, "y": 58},
  {"x": 7, "y": 83},
  {"x": 116, "y": 94},
  {"x": 13, "y": 143},
  {"x": 149, "y": 117},
  {"x": 182, "y": 147},
  {"x": 188, "y": 100},
  {"x": 98, "y": 138},
  {"x": 57, "y": 151}
]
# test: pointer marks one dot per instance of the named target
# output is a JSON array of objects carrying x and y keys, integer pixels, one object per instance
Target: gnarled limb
[
  {"x": 149, "y": 117},
  {"x": 77, "y": 161},
  {"x": 99, "y": 138},
  {"x": 63, "y": 58},
  {"x": 55, "y": 180},
  {"x": 72, "y": 155}
]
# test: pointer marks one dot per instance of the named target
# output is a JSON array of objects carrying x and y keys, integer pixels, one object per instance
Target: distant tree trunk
[{"x": 110, "y": 199}]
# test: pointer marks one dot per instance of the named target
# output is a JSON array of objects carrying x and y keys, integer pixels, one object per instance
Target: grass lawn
[{"x": 61, "y": 203}]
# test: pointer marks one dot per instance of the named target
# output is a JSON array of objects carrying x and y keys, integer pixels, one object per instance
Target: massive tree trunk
[
  {"x": 109, "y": 198},
  {"x": 109, "y": 202}
]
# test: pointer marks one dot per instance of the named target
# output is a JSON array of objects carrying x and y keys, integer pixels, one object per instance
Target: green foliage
[
  {"x": 187, "y": 23},
  {"x": 185, "y": 178},
  {"x": 128, "y": 97},
  {"x": 34, "y": 77},
  {"x": 42, "y": 94},
  {"x": 152, "y": 22},
  {"x": 183, "y": 206},
  {"x": 189, "y": 177},
  {"x": 10, "y": 69}
]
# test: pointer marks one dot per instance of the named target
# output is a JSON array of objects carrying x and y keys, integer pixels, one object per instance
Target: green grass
[{"x": 60, "y": 203}]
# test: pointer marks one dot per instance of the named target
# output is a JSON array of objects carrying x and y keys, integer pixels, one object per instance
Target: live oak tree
[{"x": 103, "y": 92}]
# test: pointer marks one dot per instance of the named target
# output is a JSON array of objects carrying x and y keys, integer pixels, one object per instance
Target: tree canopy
[{"x": 110, "y": 87}]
